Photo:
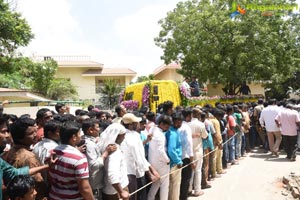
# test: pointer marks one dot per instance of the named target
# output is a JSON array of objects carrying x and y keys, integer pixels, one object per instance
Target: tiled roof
[
  {"x": 109, "y": 72},
  {"x": 164, "y": 66},
  {"x": 118, "y": 71}
]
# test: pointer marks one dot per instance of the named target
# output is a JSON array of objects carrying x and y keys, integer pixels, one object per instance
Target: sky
[{"x": 115, "y": 33}]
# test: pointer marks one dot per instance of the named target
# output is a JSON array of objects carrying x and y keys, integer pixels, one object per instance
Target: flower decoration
[
  {"x": 122, "y": 94},
  {"x": 146, "y": 95},
  {"x": 130, "y": 104},
  {"x": 184, "y": 92},
  {"x": 202, "y": 100}
]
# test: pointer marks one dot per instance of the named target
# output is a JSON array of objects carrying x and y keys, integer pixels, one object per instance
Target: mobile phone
[{"x": 82, "y": 142}]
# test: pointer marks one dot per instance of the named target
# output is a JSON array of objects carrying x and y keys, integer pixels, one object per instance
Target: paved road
[{"x": 257, "y": 177}]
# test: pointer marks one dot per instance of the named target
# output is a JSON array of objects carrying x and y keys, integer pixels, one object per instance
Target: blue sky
[{"x": 115, "y": 33}]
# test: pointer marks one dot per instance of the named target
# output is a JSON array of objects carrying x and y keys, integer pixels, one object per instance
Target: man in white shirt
[
  {"x": 115, "y": 176},
  {"x": 159, "y": 159},
  {"x": 198, "y": 133},
  {"x": 186, "y": 85},
  {"x": 287, "y": 120},
  {"x": 187, "y": 153},
  {"x": 134, "y": 153},
  {"x": 267, "y": 120}
]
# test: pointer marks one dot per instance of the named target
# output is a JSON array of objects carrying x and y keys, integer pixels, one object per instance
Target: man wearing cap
[{"x": 134, "y": 153}]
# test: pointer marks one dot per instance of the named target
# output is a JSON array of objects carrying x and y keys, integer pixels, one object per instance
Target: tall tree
[
  {"x": 216, "y": 48},
  {"x": 14, "y": 33}
]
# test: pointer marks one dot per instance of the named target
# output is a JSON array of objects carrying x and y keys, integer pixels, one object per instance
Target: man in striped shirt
[{"x": 69, "y": 176}]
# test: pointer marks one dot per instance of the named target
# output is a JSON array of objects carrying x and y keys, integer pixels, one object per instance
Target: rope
[{"x": 141, "y": 188}]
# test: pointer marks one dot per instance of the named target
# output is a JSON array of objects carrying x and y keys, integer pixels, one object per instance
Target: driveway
[{"x": 257, "y": 177}]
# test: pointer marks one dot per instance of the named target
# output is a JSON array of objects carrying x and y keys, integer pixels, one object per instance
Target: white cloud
[
  {"x": 138, "y": 31},
  {"x": 51, "y": 23},
  {"x": 141, "y": 26},
  {"x": 57, "y": 32}
]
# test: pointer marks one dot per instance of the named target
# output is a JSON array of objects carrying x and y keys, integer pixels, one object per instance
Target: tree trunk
[{"x": 230, "y": 88}]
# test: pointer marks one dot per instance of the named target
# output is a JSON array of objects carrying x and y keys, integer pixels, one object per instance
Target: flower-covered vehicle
[{"x": 151, "y": 94}]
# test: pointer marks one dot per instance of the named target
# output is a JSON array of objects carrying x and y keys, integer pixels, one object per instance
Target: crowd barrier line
[{"x": 141, "y": 188}]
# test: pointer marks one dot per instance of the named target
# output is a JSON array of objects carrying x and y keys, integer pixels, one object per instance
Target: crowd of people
[{"x": 171, "y": 154}]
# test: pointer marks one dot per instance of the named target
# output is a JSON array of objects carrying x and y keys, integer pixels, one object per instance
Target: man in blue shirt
[
  {"x": 174, "y": 149},
  {"x": 195, "y": 88}
]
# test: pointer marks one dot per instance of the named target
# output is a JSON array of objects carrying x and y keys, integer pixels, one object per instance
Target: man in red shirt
[
  {"x": 69, "y": 176},
  {"x": 42, "y": 116},
  {"x": 231, "y": 124}
]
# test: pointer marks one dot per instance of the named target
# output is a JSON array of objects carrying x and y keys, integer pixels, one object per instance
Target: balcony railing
[{"x": 62, "y": 58}]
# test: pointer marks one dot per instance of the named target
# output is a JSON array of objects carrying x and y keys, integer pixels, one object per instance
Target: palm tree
[
  {"x": 145, "y": 78},
  {"x": 110, "y": 92}
]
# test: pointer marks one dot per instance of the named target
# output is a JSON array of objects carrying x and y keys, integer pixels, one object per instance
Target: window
[{"x": 128, "y": 96}]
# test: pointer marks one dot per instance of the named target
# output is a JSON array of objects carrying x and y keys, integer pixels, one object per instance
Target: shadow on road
[
  {"x": 269, "y": 157},
  {"x": 263, "y": 156},
  {"x": 278, "y": 159}
]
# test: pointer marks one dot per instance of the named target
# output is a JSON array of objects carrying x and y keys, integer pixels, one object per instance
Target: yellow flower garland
[{"x": 167, "y": 91}]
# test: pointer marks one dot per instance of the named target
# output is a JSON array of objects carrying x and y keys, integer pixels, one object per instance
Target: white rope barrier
[{"x": 141, "y": 188}]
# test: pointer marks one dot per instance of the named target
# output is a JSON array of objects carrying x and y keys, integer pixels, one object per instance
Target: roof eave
[
  {"x": 99, "y": 75},
  {"x": 81, "y": 66}
]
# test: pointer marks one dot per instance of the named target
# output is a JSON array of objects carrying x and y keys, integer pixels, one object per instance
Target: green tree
[
  {"x": 62, "y": 89},
  {"x": 38, "y": 77},
  {"x": 216, "y": 48},
  {"x": 20, "y": 77},
  {"x": 144, "y": 78},
  {"x": 110, "y": 93},
  {"x": 14, "y": 33},
  {"x": 42, "y": 75},
  {"x": 282, "y": 87}
]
